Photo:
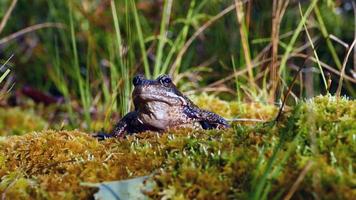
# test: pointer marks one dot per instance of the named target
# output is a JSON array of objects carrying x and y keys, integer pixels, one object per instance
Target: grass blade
[
  {"x": 162, "y": 35},
  {"x": 81, "y": 84},
  {"x": 141, "y": 40},
  {"x": 179, "y": 42},
  {"x": 314, "y": 50},
  {"x": 2, "y": 77},
  {"x": 244, "y": 41},
  {"x": 297, "y": 31}
]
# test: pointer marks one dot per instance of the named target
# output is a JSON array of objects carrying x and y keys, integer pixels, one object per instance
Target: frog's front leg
[
  {"x": 207, "y": 119},
  {"x": 127, "y": 124}
]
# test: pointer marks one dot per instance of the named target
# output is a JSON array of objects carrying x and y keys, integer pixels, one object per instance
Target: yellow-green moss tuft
[{"x": 235, "y": 109}]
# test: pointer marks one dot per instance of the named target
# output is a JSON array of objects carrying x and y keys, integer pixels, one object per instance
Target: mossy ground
[{"x": 310, "y": 153}]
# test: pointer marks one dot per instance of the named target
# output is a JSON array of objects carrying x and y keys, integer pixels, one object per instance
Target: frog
[{"x": 160, "y": 106}]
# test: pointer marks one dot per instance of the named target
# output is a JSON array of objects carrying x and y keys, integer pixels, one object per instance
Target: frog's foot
[
  {"x": 102, "y": 136},
  {"x": 208, "y": 125}
]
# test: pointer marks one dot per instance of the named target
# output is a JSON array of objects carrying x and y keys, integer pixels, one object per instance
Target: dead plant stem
[
  {"x": 244, "y": 42},
  {"x": 7, "y": 15},
  {"x": 342, "y": 72},
  {"x": 30, "y": 29}
]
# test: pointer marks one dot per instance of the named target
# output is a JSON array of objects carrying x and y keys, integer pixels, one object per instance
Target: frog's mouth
[
  {"x": 167, "y": 98},
  {"x": 155, "y": 93}
]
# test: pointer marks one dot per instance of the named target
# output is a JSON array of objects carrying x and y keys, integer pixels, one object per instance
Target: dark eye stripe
[
  {"x": 138, "y": 79},
  {"x": 164, "y": 79}
]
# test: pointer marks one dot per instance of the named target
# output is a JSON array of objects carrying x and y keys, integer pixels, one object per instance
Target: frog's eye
[{"x": 166, "y": 80}]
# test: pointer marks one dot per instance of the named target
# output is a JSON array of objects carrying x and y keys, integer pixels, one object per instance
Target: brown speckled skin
[{"x": 160, "y": 106}]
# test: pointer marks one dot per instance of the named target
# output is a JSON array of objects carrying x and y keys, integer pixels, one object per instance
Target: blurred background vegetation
[
  {"x": 81, "y": 55},
  {"x": 69, "y": 64}
]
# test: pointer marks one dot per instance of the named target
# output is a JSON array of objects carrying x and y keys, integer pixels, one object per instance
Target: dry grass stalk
[
  {"x": 289, "y": 91},
  {"x": 30, "y": 29},
  {"x": 278, "y": 9},
  {"x": 342, "y": 73},
  {"x": 244, "y": 42},
  {"x": 7, "y": 15},
  {"x": 248, "y": 13},
  {"x": 298, "y": 181},
  {"x": 338, "y": 40},
  {"x": 324, "y": 65}
]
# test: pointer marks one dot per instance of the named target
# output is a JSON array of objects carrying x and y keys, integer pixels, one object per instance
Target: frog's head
[{"x": 160, "y": 91}]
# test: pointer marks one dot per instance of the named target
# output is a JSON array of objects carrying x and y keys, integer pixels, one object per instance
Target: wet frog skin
[{"x": 159, "y": 106}]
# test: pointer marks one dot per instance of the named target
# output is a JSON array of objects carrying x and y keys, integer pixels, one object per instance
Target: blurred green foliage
[{"x": 16, "y": 121}]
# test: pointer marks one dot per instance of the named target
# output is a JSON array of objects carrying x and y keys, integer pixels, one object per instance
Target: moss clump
[
  {"x": 326, "y": 122},
  {"x": 52, "y": 164},
  {"x": 56, "y": 162},
  {"x": 14, "y": 121},
  {"x": 235, "y": 109},
  {"x": 261, "y": 161},
  {"x": 268, "y": 159},
  {"x": 327, "y": 137}
]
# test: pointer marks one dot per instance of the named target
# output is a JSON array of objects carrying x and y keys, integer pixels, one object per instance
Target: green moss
[
  {"x": 59, "y": 161},
  {"x": 320, "y": 131},
  {"x": 264, "y": 159},
  {"x": 235, "y": 109}
]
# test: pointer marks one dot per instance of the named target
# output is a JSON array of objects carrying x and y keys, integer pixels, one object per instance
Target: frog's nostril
[{"x": 137, "y": 80}]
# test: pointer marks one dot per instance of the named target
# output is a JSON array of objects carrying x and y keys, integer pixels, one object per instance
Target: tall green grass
[
  {"x": 6, "y": 71},
  {"x": 199, "y": 43}
]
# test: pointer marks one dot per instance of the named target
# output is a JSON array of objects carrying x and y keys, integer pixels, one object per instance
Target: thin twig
[
  {"x": 338, "y": 40},
  {"x": 298, "y": 181},
  {"x": 306, "y": 45},
  {"x": 291, "y": 93},
  {"x": 245, "y": 120},
  {"x": 338, "y": 91},
  {"x": 292, "y": 85},
  {"x": 324, "y": 65},
  {"x": 288, "y": 93},
  {"x": 30, "y": 29},
  {"x": 7, "y": 15}
]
